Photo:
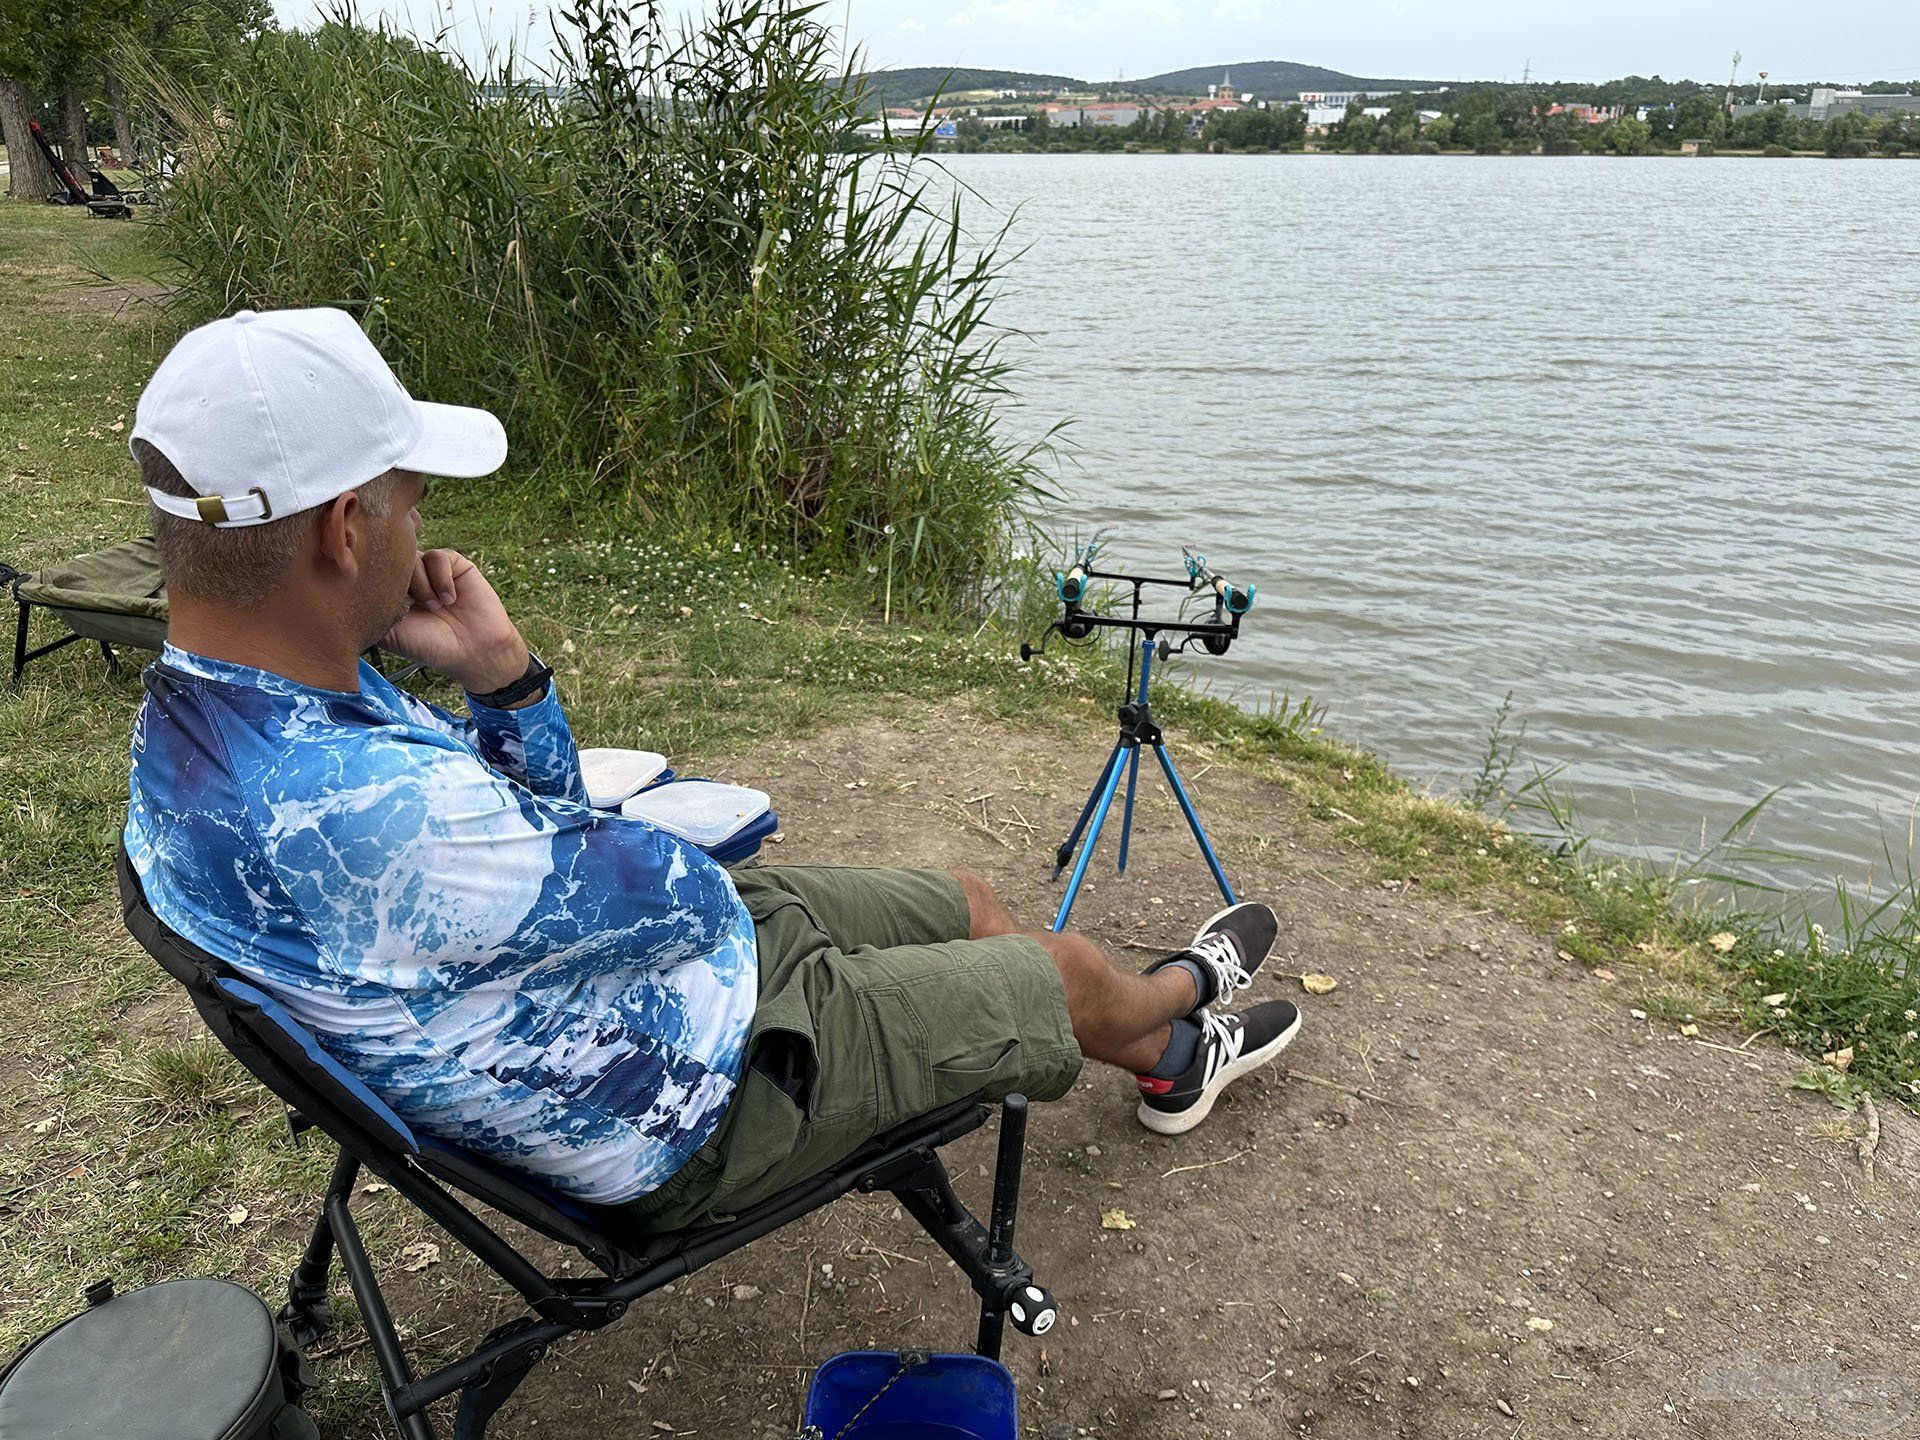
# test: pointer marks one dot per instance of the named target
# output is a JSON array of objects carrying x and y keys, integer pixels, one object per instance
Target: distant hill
[
  {"x": 1266, "y": 79},
  {"x": 904, "y": 86}
]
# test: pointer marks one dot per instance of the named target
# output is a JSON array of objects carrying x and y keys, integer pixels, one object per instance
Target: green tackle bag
[{"x": 183, "y": 1360}]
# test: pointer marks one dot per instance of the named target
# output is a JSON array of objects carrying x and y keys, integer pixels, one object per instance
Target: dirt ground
[{"x": 1478, "y": 1197}]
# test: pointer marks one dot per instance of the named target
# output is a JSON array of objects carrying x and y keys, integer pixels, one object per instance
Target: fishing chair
[{"x": 321, "y": 1094}]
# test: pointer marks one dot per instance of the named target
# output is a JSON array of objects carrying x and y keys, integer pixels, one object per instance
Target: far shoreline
[{"x": 1137, "y": 151}]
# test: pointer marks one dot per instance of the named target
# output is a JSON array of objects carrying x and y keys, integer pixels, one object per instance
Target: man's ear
[{"x": 339, "y": 537}]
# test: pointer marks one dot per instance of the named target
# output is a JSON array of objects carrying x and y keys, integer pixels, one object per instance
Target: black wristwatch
[{"x": 538, "y": 675}]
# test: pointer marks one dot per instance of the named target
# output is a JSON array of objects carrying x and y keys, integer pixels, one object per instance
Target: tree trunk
[
  {"x": 73, "y": 132},
  {"x": 29, "y": 175},
  {"x": 122, "y": 126}
]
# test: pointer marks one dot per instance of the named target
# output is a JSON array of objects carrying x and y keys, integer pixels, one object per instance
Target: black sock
[{"x": 1181, "y": 1048}]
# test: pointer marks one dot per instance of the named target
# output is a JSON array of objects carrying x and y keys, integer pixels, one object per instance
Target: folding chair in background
[
  {"x": 115, "y": 596},
  {"x": 440, "y": 1179}
]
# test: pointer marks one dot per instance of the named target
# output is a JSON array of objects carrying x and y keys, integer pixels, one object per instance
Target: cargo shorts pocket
[
  {"x": 763, "y": 1147},
  {"x": 897, "y": 1038}
]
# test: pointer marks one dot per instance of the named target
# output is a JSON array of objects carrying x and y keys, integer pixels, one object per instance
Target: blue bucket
[{"x": 944, "y": 1397}]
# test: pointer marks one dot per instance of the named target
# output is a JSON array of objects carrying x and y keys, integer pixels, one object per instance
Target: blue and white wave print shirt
[{"x": 561, "y": 989}]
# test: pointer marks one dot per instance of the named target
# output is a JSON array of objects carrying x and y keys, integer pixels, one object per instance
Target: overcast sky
[{"x": 1795, "y": 40}]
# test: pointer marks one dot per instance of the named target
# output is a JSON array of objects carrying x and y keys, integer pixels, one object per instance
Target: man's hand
[{"x": 458, "y": 626}]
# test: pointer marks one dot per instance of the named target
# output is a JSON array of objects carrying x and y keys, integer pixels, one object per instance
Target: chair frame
[
  {"x": 10, "y": 579},
  {"x": 904, "y": 1161}
]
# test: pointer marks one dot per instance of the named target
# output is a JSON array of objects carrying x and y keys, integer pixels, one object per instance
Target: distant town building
[
  {"x": 1219, "y": 98},
  {"x": 1113, "y": 114},
  {"x": 1116, "y": 115},
  {"x": 1340, "y": 99},
  {"x": 1225, "y": 95},
  {"x": 1824, "y": 103},
  {"x": 1588, "y": 114}
]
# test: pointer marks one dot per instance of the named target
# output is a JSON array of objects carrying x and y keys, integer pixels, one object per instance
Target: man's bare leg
[
  {"x": 987, "y": 915},
  {"x": 1128, "y": 1020},
  {"x": 1123, "y": 1019},
  {"x": 1120, "y": 1018}
]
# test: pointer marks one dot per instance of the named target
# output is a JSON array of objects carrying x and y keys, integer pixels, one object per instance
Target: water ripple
[{"x": 1634, "y": 439}]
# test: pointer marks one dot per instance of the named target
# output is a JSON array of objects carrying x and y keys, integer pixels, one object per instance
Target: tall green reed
[{"x": 660, "y": 271}]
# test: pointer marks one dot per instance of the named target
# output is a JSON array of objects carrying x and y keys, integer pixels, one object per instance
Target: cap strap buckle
[{"x": 212, "y": 509}]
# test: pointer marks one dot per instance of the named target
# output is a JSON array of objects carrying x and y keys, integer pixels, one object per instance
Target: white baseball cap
[{"x": 268, "y": 414}]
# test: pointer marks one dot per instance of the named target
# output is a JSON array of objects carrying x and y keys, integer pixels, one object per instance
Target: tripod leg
[
  {"x": 1126, "y": 818},
  {"x": 1065, "y": 852},
  {"x": 1193, "y": 820},
  {"x": 1101, "y": 807}
]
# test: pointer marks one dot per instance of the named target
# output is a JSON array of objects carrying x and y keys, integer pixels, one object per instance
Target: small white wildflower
[{"x": 886, "y": 529}]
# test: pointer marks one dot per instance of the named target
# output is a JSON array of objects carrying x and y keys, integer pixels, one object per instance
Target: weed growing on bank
[{"x": 1848, "y": 998}]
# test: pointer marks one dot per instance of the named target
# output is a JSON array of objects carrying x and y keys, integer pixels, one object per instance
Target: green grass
[
  {"x": 128, "y": 1144},
  {"x": 68, "y": 338}
]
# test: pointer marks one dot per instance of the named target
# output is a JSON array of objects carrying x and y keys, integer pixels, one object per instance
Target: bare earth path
[{"x": 1554, "y": 1220}]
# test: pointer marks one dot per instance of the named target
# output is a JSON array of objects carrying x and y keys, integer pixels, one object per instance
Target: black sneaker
[
  {"x": 1229, "y": 948},
  {"x": 1230, "y": 1046}
]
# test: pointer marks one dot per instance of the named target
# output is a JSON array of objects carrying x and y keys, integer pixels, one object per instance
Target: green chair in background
[{"x": 115, "y": 596}]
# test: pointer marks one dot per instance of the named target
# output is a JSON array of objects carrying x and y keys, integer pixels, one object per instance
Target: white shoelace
[{"x": 1220, "y": 955}]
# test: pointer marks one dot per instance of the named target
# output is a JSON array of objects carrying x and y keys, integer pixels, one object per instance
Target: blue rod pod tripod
[{"x": 1137, "y": 726}]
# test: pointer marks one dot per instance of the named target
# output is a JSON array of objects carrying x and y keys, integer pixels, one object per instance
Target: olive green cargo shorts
[{"x": 874, "y": 1008}]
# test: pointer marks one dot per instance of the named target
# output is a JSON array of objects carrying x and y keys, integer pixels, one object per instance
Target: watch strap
[{"x": 538, "y": 675}]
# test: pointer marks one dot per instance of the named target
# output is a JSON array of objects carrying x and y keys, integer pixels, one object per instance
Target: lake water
[{"x": 1636, "y": 440}]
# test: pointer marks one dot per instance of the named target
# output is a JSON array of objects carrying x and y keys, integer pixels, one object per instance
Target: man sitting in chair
[{"x": 573, "y": 994}]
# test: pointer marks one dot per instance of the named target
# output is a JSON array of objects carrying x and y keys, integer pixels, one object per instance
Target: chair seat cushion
[{"x": 298, "y": 1043}]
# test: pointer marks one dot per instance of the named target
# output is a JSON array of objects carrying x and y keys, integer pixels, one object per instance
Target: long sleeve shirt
[{"x": 562, "y": 990}]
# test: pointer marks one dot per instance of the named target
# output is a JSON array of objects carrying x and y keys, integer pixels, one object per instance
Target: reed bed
[{"x": 655, "y": 265}]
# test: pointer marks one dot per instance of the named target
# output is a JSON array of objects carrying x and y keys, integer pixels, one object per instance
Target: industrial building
[{"x": 1824, "y": 103}]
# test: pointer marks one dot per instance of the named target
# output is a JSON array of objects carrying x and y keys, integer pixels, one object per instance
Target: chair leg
[
  {"x": 395, "y": 1377},
  {"x": 308, "y": 1312},
  {"x": 21, "y": 654},
  {"x": 1006, "y": 1207},
  {"x": 20, "y": 643},
  {"x": 1003, "y": 1281},
  {"x": 113, "y": 660},
  {"x": 480, "y": 1400}
]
